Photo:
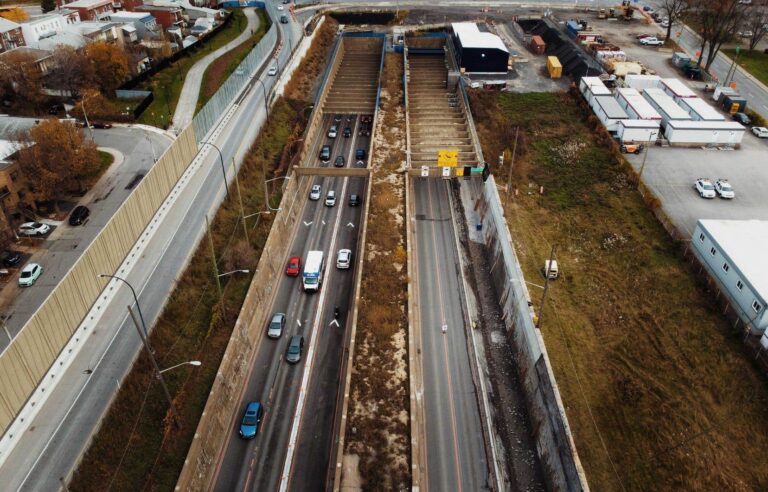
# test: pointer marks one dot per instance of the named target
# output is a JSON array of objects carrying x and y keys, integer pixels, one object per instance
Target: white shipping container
[
  {"x": 591, "y": 87},
  {"x": 665, "y": 105},
  {"x": 609, "y": 112},
  {"x": 700, "y": 110},
  {"x": 636, "y": 106},
  {"x": 642, "y": 82},
  {"x": 704, "y": 132},
  {"x": 676, "y": 89},
  {"x": 630, "y": 131}
]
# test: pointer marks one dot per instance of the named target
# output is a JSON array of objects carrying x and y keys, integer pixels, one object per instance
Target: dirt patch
[
  {"x": 657, "y": 389},
  {"x": 378, "y": 430}
]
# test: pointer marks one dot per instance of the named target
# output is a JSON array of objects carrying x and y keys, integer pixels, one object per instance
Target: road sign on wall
[
  {"x": 424, "y": 171},
  {"x": 447, "y": 158},
  {"x": 446, "y": 172}
]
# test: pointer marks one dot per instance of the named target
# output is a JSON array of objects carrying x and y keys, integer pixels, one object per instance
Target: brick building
[{"x": 11, "y": 35}]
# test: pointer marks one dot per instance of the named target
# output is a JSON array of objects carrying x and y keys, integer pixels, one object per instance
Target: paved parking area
[{"x": 670, "y": 172}]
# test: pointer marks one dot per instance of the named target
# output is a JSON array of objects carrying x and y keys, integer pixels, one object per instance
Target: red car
[
  {"x": 641, "y": 36},
  {"x": 294, "y": 266}
]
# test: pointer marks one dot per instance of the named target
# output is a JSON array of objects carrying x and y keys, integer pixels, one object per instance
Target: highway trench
[
  {"x": 260, "y": 464},
  {"x": 455, "y": 451}
]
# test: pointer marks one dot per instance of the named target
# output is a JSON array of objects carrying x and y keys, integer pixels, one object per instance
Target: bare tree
[
  {"x": 673, "y": 10},
  {"x": 71, "y": 70},
  {"x": 719, "y": 20},
  {"x": 756, "y": 21}
]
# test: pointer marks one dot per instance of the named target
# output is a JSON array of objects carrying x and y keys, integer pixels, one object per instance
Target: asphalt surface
[
  {"x": 62, "y": 429},
  {"x": 258, "y": 464},
  {"x": 62, "y": 248},
  {"x": 456, "y": 458}
]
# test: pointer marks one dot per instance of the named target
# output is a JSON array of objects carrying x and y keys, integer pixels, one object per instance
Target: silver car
[
  {"x": 275, "y": 327},
  {"x": 315, "y": 193}
]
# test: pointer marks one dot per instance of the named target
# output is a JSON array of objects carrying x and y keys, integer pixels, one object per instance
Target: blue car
[{"x": 249, "y": 427}]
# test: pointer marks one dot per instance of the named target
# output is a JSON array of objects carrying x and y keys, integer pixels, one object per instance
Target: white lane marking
[
  {"x": 298, "y": 322},
  {"x": 323, "y": 222},
  {"x": 350, "y": 225},
  {"x": 309, "y": 223},
  {"x": 334, "y": 322}
]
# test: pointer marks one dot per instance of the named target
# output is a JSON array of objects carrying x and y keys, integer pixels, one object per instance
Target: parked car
[
  {"x": 705, "y": 188},
  {"x": 746, "y": 34},
  {"x": 29, "y": 274},
  {"x": 314, "y": 194},
  {"x": 34, "y": 229},
  {"x": 10, "y": 258},
  {"x": 55, "y": 108},
  {"x": 724, "y": 189},
  {"x": 325, "y": 153},
  {"x": 276, "y": 325},
  {"x": 343, "y": 259},
  {"x": 283, "y": 19},
  {"x": 347, "y": 132},
  {"x": 79, "y": 215},
  {"x": 354, "y": 200},
  {"x": 101, "y": 125},
  {"x": 286, "y": 2},
  {"x": 294, "y": 350},
  {"x": 272, "y": 71},
  {"x": 332, "y": 132},
  {"x": 760, "y": 131},
  {"x": 651, "y": 41},
  {"x": 644, "y": 35},
  {"x": 330, "y": 198},
  {"x": 294, "y": 266},
  {"x": 249, "y": 426},
  {"x": 339, "y": 162},
  {"x": 742, "y": 118},
  {"x": 664, "y": 23}
]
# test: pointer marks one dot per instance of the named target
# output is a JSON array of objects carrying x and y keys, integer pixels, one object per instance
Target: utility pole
[
  {"x": 158, "y": 375},
  {"x": 215, "y": 266},
  {"x": 645, "y": 156},
  {"x": 511, "y": 165},
  {"x": 546, "y": 287},
  {"x": 240, "y": 200}
]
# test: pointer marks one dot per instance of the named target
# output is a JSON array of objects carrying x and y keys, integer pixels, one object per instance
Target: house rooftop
[
  {"x": 470, "y": 36},
  {"x": 131, "y": 15},
  {"x": 61, "y": 38},
  {"x": 743, "y": 241},
  {"x": 39, "y": 54},
  {"x": 6, "y": 25},
  {"x": 86, "y": 4}
]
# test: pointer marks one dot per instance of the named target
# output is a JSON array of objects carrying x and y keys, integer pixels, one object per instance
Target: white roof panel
[
  {"x": 666, "y": 104},
  {"x": 638, "y": 104},
  {"x": 678, "y": 88},
  {"x": 702, "y": 108},
  {"x": 471, "y": 37},
  {"x": 706, "y": 125}
]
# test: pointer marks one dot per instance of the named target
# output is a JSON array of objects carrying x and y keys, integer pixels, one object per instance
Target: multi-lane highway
[
  {"x": 268, "y": 461},
  {"x": 455, "y": 452}
]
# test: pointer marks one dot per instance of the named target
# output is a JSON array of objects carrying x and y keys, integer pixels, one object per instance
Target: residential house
[
  {"x": 167, "y": 16},
  {"x": 41, "y": 27},
  {"x": 144, "y": 22},
  {"x": 11, "y": 35},
  {"x": 92, "y": 9},
  {"x": 16, "y": 200},
  {"x": 42, "y": 58},
  {"x": 107, "y": 31},
  {"x": 70, "y": 16}
]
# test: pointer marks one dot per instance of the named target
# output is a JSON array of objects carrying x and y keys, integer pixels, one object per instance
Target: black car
[
  {"x": 347, "y": 132},
  {"x": 10, "y": 258},
  {"x": 742, "y": 118},
  {"x": 339, "y": 162},
  {"x": 79, "y": 215},
  {"x": 283, "y": 19},
  {"x": 56, "y": 108},
  {"x": 325, "y": 153},
  {"x": 354, "y": 200},
  {"x": 360, "y": 154}
]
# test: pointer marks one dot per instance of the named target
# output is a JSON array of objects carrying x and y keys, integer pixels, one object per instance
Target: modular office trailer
[
  {"x": 665, "y": 106},
  {"x": 609, "y": 112},
  {"x": 642, "y": 82},
  {"x": 630, "y": 131},
  {"x": 676, "y": 89},
  {"x": 636, "y": 105},
  {"x": 694, "y": 133},
  {"x": 700, "y": 110},
  {"x": 591, "y": 87}
]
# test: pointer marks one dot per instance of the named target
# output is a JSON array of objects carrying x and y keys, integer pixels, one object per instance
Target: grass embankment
[
  {"x": 379, "y": 406},
  {"x": 137, "y": 447},
  {"x": 105, "y": 160},
  {"x": 220, "y": 70},
  {"x": 166, "y": 84},
  {"x": 645, "y": 364},
  {"x": 754, "y": 62}
]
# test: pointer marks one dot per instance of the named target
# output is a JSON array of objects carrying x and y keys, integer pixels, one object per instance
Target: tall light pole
[
  {"x": 266, "y": 106},
  {"x": 266, "y": 192},
  {"x": 135, "y": 298},
  {"x": 732, "y": 69},
  {"x": 221, "y": 160},
  {"x": 195, "y": 363},
  {"x": 652, "y": 138}
]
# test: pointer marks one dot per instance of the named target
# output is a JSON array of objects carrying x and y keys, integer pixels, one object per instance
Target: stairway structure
[{"x": 353, "y": 89}]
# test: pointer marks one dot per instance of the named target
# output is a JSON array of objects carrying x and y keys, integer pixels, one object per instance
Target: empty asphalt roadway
[{"x": 263, "y": 463}]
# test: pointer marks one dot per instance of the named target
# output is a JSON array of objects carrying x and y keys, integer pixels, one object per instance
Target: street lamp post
[
  {"x": 135, "y": 298},
  {"x": 732, "y": 69},
  {"x": 221, "y": 160},
  {"x": 266, "y": 192},
  {"x": 654, "y": 135},
  {"x": 195, "y": 363},
  {"x": 266, "y": 106}
]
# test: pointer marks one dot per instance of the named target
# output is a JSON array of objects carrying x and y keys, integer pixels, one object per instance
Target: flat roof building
[{"x": 478, "y": 51}]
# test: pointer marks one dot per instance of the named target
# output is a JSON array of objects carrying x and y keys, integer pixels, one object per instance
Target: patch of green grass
[
  {"x": 105, "y": 160},
  {"x": 166, "y": 85},
  {"x": 646, "y": 364},
  {"x": 754, "y": 62}
]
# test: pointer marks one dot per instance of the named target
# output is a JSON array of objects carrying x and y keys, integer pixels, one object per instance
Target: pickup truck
[{"x": 651, "y": 41}]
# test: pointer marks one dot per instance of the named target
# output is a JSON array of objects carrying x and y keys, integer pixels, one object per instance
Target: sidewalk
[{"x": 185, "y": 108}]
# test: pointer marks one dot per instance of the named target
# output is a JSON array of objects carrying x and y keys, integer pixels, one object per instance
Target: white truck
[{"x": 313, "y": 271}]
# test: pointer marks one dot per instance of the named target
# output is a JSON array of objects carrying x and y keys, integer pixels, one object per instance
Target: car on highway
[
  {"x": 276, "y": 325},
  {"x": 10, "y": 258},
  {"x": 347, "y": 132},
  {"x": 343, "y": 259},
  {"x": 34, "y": 229},
  {"x": 272, "y": 71},
  {"x": 283, "y": 19},
  {"x": 79, "y": 215},
  {"x": 294, "y": 266},
  {"x": 29, "y": 274},
  {"x": 337, "y": 118},
  {"x": 286, "y": 2},
  {"x": 742, "y": 118},
  {"x": 724, "y": 189},
  {"x": 339, "y": 162},
  {"x": 651, "y": 41},
  {"x": 760, "y": 131},
  {"x": 280, "y": 7},
  {"x": 354, "y": 200},
  {"x": 705, "y": 188},
  {"x": 314, "y": 194},
  {"x": 333, "y": 131},
  {"x": 249, "y": 426},
  {"x": 325, "y": 153},
  {"x": 294, "y": 350},
  {"x": 330, "y": 198},
  {"x": 360, "y": 157}
]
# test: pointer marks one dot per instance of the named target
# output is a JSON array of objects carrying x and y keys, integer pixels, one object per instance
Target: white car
[
  {"x": 330, "y": 199},
  {"x": 333, "y": 132},
  {"x": 272, "y": 71},
  {"x": 34, "y": 229},
  {"x": 705, "y": 188},
  {"x": 760, "y": 131},
  {"x": 724, "y": 189},
  {"x": 30, "y": 274},
  {"x": 280, "y": 7},
  {"x": 651, "y": 41},
  {"x": 344, "y": 259},
  {"x": 314, "y": 195}
]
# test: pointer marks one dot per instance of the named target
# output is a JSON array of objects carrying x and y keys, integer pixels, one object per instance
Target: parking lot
[{"x": 670, "y": 172}]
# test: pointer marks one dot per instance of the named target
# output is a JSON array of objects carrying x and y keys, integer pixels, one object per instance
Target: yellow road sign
[{"x": 447, "y": 158}]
